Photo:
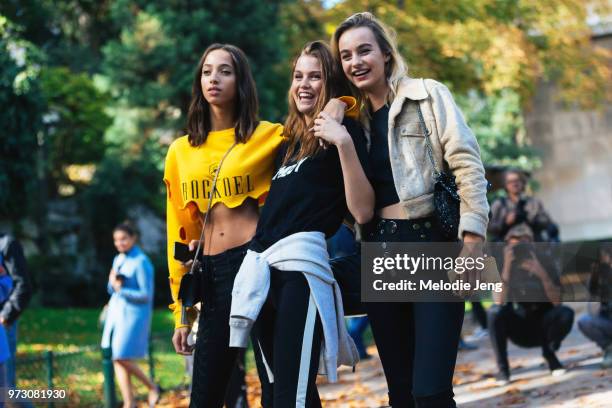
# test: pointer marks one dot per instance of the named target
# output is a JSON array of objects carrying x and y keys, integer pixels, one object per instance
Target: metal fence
[{"x": 86, "y": 373}]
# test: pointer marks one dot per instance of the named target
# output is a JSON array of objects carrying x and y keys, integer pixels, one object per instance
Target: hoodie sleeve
[{"x": 181, "y": 227}]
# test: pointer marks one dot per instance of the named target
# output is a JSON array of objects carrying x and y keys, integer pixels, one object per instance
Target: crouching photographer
[
  {"x": 597, "y": 326},
  {"x": 528, "y": 311}
]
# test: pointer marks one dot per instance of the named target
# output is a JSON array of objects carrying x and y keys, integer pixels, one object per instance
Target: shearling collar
[
  {"x": 408, "y": 88},
  {"x": 412, "y": 88}
]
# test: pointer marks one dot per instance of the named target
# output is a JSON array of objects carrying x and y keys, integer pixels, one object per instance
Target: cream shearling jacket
[{"x": 454, "y": 148}]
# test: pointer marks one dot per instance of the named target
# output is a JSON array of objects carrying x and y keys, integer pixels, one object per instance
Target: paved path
[{"x": 583, "y": 385}]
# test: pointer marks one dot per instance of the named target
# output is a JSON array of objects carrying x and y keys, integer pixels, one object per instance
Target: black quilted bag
[{"x": 446, "y": 197}]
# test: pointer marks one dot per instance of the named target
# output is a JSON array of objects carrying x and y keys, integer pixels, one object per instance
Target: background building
[{"x": 575, "y": 180}]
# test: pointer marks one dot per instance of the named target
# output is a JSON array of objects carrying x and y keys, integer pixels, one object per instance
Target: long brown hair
[
  {"x": 246, "y": 106},
  {"x": 395, "y": 68},
  {"x": 301, "y": 142}
]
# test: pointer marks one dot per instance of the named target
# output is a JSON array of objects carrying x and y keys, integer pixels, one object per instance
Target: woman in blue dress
[
  {"x": 128, "y": 322},
  {"x": 6, "y": 286}
]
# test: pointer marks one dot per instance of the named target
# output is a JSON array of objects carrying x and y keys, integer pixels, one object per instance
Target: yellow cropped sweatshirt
[{"x": 189, "y": 173}]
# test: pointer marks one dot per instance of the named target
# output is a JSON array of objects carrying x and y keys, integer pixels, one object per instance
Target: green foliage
[
  {"x": 492, "y": 45},
  {"x": 124, "y": 180},
  {"x": 148, "y": 68},
  {"x": 152, "y": 62},
  {"x": 79, "y": 327},
  {"x": 497, "y": 122},
  {"x": 21, "y": 101},
  {"x": 77, "y": 118},
  {"x": 302, "y": 21},
  {"x": 71, "y": 32}
]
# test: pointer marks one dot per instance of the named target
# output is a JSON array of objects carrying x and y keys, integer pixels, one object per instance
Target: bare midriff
[
  {"x": 394, "y": 211},
  {"x": 229, "y": 228}
]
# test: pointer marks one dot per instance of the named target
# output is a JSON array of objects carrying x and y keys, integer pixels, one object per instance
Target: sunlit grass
[{"x": 73, "y": 335}]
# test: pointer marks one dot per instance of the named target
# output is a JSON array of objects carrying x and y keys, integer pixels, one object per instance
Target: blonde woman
[{"x": 417, "y": 342}]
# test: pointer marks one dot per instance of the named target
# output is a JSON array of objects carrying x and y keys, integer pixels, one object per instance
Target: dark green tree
[
  {"x": 77, "y": 121},
  {"x": 152, "y": 62},
  {"x": 70, "y": 32},
  {"x": 22, "y": 106},
  {"x": 497, "y": 122}
]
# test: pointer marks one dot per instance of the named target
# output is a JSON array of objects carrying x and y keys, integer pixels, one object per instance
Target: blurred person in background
[
  {"x": 6, "y": 285},
  {"x": 479, "y": 315},
  {"x": 12, "y": 262},
  {"x": 128, "y": 323},
  {"x": 597, "y": 326},
  {"x": 538, "y": 321},
  {"x": 479, "y": 318},
  {"x": 340, "y": 246},
  {"x": 518, "y": 208}
]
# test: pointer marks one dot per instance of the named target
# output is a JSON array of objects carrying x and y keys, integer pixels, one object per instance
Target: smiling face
[
  {"x": 123, "y": 241},
  {"x": 363, "y": 61},
  {"x": 307, "y": 84},
  {"x": 218, "y": 79}
]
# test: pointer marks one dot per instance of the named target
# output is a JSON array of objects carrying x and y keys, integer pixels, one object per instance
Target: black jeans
[
  {"x": 289, "y": 333},
  {"x": 218, "y": 370},
  {"x": 545, "y": 330},
  {"x": 417, "y": 341}
]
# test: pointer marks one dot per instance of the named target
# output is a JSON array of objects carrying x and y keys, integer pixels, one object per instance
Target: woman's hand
[
  {"x": 179, "y": 341},
  {"x": 509, "y": 254},
  {"x": 471, "y": 238},
  {"x": 510, "y": 218},
  {"x": 473, "y": 249},
  {"x": 335, "y": 109},
  {"x": 193, "y": 244},
  {"x": 117, "y": 284},
  {"x": 330, "y": 131},
  {"x": 534, "y": 267},
  {"x": 114, "y": 281}
]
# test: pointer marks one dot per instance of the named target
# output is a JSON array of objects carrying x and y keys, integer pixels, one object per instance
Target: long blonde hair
[
  {"x": 301, "y": 142},
  {"x": 395, "y": 68}
]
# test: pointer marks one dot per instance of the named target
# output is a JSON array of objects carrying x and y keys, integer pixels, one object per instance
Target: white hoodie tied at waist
[{"x": 304, "y": 252}]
